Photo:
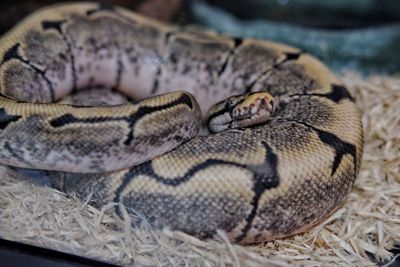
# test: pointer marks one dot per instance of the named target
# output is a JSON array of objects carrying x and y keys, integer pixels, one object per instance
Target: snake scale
[{"x": 286, "y": 137}]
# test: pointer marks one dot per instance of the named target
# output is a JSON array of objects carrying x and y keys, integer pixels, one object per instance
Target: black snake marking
[
  {"x": 6, "y": 119},
  {"x": 270, "y": 180}
]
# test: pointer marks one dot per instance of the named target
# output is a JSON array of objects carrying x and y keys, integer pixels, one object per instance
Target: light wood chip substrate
[{"x": 367, "y": 223}]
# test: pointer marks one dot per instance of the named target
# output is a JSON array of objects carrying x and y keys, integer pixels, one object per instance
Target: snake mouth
[{"x": 259, "y": 116}]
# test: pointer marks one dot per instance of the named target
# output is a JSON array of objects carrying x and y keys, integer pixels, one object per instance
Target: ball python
[{"x": 285, "y": 137}]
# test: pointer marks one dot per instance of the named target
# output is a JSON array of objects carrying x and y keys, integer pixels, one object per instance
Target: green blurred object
[
  {"x": 371, "y": 49},
  {"x": 316, "y": 13}
]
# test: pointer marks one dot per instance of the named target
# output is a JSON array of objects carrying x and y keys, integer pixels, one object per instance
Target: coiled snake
[{"x": 288, "y": 139}]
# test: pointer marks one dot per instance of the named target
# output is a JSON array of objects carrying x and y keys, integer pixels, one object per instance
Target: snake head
[{"x": 240, "y": 111}]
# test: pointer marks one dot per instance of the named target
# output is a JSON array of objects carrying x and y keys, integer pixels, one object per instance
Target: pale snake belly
[{"x": 281, "y": 174}]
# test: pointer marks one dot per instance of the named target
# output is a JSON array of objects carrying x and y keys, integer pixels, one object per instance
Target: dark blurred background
[
  {"x": 332, "y": 14},
  {"x": 14, "y": 11}
]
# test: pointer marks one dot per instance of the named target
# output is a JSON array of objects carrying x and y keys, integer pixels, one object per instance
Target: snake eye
[{"x": 229, "y": 105}]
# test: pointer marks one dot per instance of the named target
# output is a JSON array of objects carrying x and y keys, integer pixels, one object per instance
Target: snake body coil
[{"x": 270, "y": 180}]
